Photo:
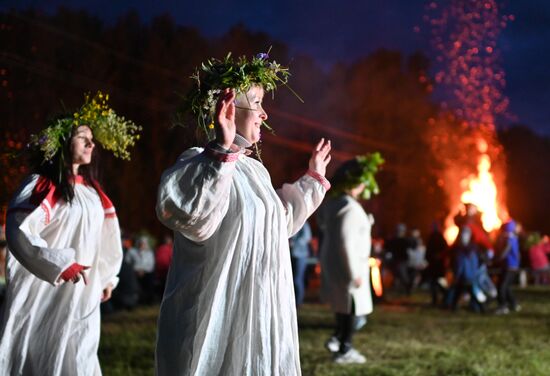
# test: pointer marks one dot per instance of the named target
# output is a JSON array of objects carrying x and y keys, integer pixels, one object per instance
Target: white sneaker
[
  {"x": 517, "y": 308},
  {"x": 502, "y": 311},
  {"x": 351, "y": 357},
  {"x": 333, "y": 344}
]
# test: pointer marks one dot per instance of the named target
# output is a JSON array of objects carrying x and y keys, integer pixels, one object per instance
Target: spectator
[
  {"x": 465, "y": 272},
  {"x": 436, "y": 253},
  {"x": 399, "y": 259},
  {"x": 163, "y": 258},
  {"x": 416, "y": 258},
  {"x": 509, "y": 260},
  {"x": 299, "y": 253},
  {"x": 126, "y": 296},
  {"x": 538, "y": 257},
  {"x": 472, "y": 219},
  {"x": 142, "y": 259}
]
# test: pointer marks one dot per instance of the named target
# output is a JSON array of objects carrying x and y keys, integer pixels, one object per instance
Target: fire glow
[
  {"x": 464, "y": 35},
  {"x": 481, "y": 191}
]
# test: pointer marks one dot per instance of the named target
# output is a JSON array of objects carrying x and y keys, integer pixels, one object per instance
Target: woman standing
[
  {"x": 64, "y": 248},
  {"x": 345, "y": 251},
  {"x": 228, "y": 307}
]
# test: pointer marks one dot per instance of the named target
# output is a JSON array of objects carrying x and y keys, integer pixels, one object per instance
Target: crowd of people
[
  {"x": 477, "y": 268},
  {"x": 143, "y": 272}
]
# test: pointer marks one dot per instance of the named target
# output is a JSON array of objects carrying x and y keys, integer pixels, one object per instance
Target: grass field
[{"x": 404, "y": 336}]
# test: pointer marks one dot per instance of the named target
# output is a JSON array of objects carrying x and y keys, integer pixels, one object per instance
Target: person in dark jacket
[{"x": 436, "y": 252}]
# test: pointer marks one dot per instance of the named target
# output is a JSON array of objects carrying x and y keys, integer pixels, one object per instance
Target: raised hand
[
  {"x": 225, "y": 119},
  {"x": 320, "y": 157}
]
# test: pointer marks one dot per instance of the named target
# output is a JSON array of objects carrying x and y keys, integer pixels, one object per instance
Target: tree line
[{"x": 381, "y": 102}]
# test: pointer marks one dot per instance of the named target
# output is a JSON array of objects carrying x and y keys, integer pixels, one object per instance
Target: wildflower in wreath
[
  {"x": 241, "y": 74},
  {"x": 113, "y": 132}
]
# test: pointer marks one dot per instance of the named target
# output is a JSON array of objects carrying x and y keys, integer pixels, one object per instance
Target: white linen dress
[
  {"x": 228, "y": 307},
  {"x": 51, "y": 327},
  {"x": 345, "y": 252}
]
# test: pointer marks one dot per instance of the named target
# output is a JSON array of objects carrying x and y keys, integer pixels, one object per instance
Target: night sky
[{"x": 332, "y": 31}]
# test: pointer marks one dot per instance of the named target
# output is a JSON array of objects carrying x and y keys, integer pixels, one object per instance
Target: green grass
[{"x": 403, "y": 337}]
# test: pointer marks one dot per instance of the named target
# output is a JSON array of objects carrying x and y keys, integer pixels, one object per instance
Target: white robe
[
  {"x": 228, "y": 307},
  {"x": 345, "y": 252},
  {"x": 50, "y": 327}
]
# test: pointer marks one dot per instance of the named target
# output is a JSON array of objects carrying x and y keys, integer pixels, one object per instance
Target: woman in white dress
[
  {"x": 228, "y": 307},
  {"x": 345, "y": 252},
  {"x": 64, "y": 253}
]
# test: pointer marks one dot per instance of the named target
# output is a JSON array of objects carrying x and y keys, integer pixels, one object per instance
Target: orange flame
[{"x": 482, "y": 192}]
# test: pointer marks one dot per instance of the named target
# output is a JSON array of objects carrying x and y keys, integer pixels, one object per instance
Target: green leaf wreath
[
  {"x": 215, "y": 75},
  {"x": 362, "y": 169}
]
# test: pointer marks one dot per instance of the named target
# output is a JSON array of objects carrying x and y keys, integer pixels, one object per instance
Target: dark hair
[
  {"x": 347, "y": 176},
  {"x": 59, "y": 169}
]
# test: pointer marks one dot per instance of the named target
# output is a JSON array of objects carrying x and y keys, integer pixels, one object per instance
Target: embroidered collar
[{"x": 241, "y": 145}]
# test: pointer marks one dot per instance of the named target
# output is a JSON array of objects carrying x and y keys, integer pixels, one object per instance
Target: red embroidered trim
[
  {"x": 44, "y": 190},
  {"x": 320, "y": 178},
  {"x": 221, "y": 157},
  {"x": 46, "y": 212}
]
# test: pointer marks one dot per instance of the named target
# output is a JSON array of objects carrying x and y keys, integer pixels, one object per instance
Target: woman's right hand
[{"x": 225, "y": 119}]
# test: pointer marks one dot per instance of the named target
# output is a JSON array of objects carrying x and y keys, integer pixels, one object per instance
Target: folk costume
[
  {"x": 228, "y": 307},
  {"x": 50, "y": 325}
]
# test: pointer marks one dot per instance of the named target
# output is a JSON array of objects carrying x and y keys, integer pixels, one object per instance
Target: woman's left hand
[
  {"x": 320, "y": 157},
  {"x": 107, "y": 291}
]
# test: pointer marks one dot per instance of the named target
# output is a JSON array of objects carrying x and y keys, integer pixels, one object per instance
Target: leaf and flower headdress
[
  {"x": 361, "y": 169},
  {"x": 113, "y": 132},
  {"x": 241, "y": 74}
]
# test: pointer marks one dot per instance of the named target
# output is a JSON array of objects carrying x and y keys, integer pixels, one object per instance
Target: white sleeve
[
  {"x": 110, "y": 252},
  {"x": 25, "y": 243},
  {"x": 193, "y": 196},
  {"x": 302, "y": 198}
]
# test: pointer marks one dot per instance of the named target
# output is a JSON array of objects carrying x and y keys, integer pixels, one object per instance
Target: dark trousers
[
  {"x": 299, "y": 266},
  {"x": 345, "y": 328},
  {"x": 401, "y": 273},
  {"x": 505, "y": 296},
  {"x": 436, "y": 289}
]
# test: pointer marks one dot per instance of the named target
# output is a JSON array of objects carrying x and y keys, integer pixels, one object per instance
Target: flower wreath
[
  {"x": 113, "y": 132},
  {"x": 215, "y": 75}
]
